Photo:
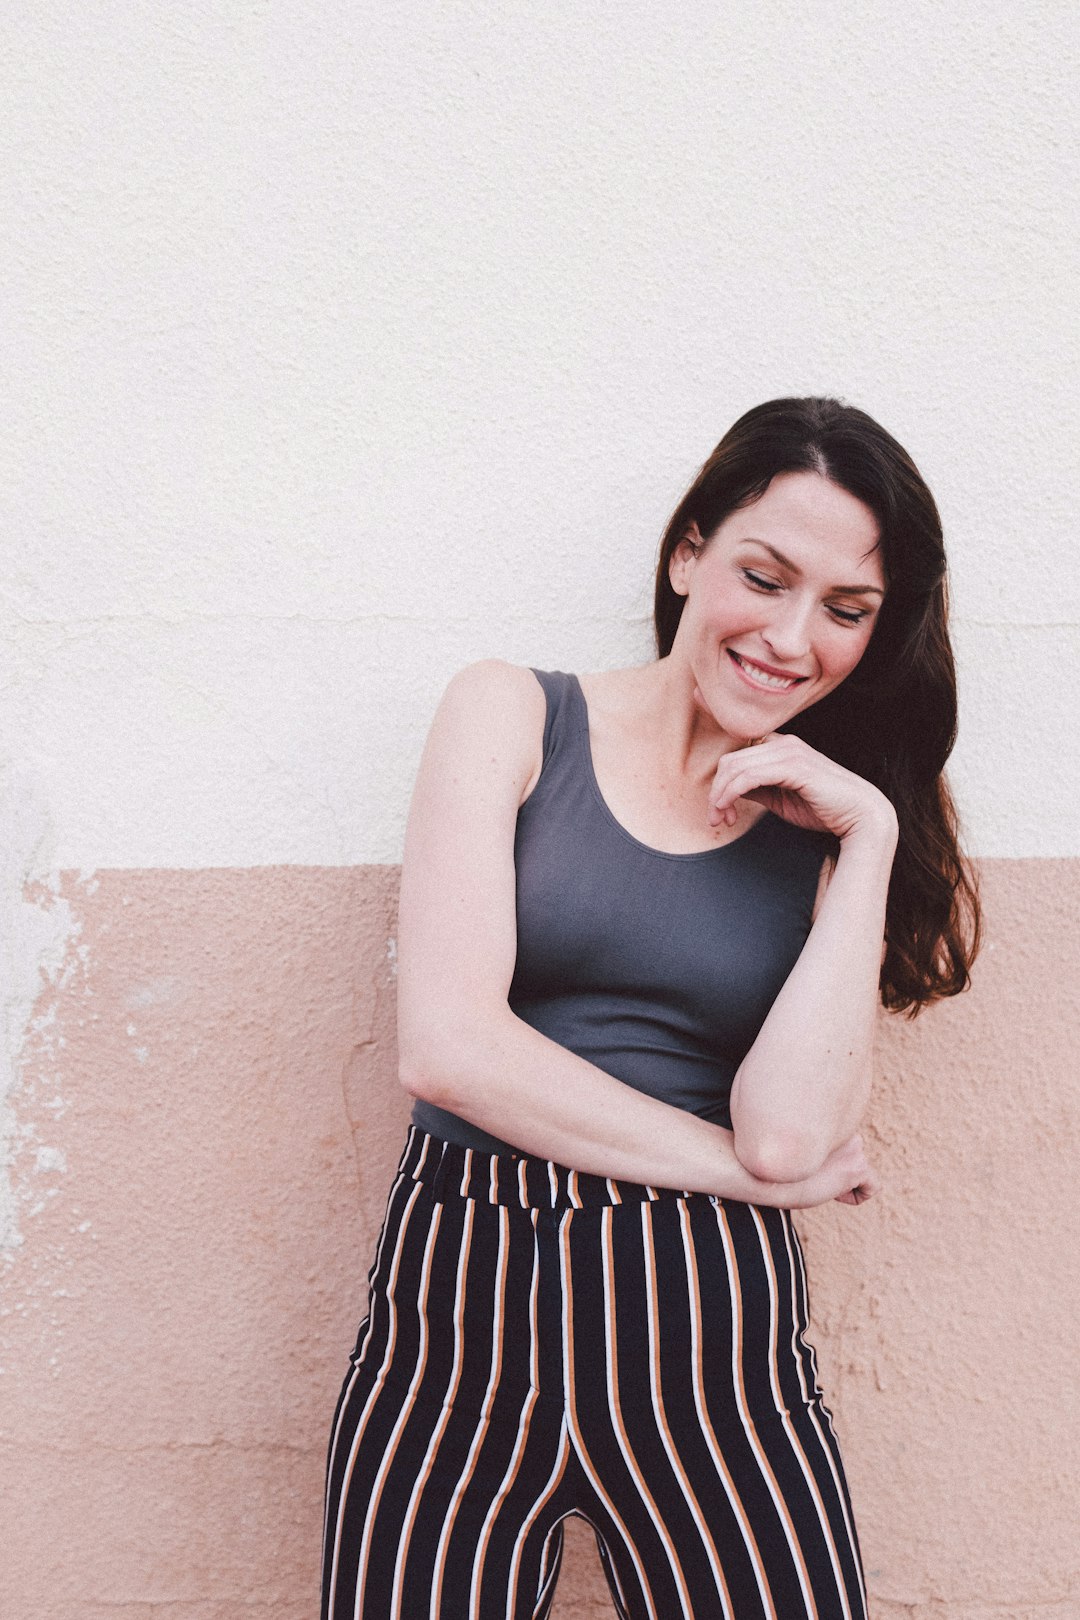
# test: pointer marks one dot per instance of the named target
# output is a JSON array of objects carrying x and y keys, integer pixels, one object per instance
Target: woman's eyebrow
[{"x": 786, "y": 562}]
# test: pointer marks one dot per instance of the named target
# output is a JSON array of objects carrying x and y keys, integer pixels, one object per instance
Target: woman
[{"x": 645, "y": 920}]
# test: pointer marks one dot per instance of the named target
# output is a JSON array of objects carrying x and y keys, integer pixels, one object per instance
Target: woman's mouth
[{"x": 759, "y": 677}]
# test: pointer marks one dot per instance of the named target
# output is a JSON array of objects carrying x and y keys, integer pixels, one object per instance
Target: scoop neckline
[{"x": 585, "y": 739}]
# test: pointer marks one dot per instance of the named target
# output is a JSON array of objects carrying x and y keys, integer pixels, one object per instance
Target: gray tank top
[{"x": 658, "y": 968}]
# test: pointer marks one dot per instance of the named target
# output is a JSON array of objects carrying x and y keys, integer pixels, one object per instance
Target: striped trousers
[{"x": 541, "y": 1343}]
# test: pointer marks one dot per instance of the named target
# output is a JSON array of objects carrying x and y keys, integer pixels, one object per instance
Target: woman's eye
[{"x": 845, "y": 615}]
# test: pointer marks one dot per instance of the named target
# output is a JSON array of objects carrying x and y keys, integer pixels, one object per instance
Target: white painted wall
[{"x": 349, "y": 344}]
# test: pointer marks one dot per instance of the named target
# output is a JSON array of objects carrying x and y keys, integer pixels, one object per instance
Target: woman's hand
[
  {"x": 846, "y": 1177},
  {"x": 803, "y": 786}
]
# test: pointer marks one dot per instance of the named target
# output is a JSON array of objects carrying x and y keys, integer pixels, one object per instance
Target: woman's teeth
[{"x": 778, "y": 683}]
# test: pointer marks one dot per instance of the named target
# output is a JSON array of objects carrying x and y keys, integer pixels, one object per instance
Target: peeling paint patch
[{"x": 37, "y": 935}]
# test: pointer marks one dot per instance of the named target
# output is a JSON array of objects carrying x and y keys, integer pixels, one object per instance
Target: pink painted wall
[{"x": 213, "y": 1073}]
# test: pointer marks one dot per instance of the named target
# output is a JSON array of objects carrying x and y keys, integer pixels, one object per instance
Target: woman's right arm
[{"x": 460, "y": 1046}]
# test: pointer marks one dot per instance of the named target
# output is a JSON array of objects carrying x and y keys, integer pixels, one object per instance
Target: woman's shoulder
[
  {"x": 496, "y": 681},
  {"x": 501, "y": 707}
]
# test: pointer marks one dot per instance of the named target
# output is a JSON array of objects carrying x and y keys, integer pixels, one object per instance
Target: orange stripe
[
  {"x": 652, "y": 1306},
  {"x": 749, "y": 1539},
  {"x": 369, "y": 1403},
  {"x": 362, "y": 1346},
  {"x": 440, "y": 1428},
  {"x": 796, "y": 1445},
  {"x": 551, "y": 1486},
  {"x": 439, "y": 1572},
  {"x": 403, "y": 1415},
  {"x": 571, "y": 1401},
  {"x": 806, "y": 1317},
  {"x": 514, "y": 1465},
  {"x": 796, "y": 1270},
  {"x": 615, "y": 1408},
  {"x": 751, "y": 1428}
]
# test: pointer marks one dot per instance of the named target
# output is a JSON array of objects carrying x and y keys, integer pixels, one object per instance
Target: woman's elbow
[
  {"x": 429, "y": 1081},
  {"x": 441, "y": 1069},
  {"x": 779, "y": 1154},
  {"x": 416, "y": 1080}
]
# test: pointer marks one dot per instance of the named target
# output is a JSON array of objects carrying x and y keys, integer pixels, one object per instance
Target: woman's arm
[
  {"x": 802, "y": 1088},
  {"x": 460, "y": 1045}
]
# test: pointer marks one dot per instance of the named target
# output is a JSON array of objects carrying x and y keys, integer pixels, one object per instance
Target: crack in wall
[{"x": 348, "y": 1069}]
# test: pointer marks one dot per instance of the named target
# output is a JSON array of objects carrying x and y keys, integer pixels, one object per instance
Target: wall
[{"x": 345, "y": 349}]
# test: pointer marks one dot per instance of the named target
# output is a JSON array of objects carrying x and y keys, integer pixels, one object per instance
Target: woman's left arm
[{"x": 803, "y": 1086}]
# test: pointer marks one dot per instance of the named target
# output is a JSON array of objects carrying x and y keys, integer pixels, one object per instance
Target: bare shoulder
[
  {"x": 505, "y": 696},
  {"x": 501, "y": 708},
  {"x": 496, "y": 677}
]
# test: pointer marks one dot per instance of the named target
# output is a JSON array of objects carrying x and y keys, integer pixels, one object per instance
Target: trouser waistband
[{"x": 516, "y": 1179}]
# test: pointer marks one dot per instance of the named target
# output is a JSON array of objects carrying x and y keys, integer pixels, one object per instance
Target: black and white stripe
[{"x": 541, "y": 1343}]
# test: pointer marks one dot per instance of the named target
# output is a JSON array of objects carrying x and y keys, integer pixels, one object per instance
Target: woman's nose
[{"x": 788, "y": 633}]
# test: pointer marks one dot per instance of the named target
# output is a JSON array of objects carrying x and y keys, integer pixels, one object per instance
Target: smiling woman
[
  {"x": 646, "y": 919},
  {"x": 777, "y": 617}
]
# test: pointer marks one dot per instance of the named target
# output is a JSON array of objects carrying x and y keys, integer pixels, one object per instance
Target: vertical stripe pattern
[{"x": 541, "y": 1343}]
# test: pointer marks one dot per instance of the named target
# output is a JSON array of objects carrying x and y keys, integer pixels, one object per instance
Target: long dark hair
[{"x": 893, "y": 719}]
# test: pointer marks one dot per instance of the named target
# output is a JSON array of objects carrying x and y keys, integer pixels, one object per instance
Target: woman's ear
[{"x": 682, "y": 558}]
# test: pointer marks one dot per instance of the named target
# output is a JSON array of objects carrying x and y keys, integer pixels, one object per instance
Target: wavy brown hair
[{"x": 893, "y": 719}]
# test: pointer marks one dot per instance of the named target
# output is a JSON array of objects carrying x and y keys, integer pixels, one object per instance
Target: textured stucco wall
[
  {"x": 342, "y": 349},
  {"x": 216, "y": 1063}
]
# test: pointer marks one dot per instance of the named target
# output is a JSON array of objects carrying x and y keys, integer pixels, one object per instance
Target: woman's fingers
[
  {"x": 867, "y": 1185},
  {"x": 846, "y": 1177},
  {"x": 753, "y": 766},
  {"x": 737, "y": 789},
  {"x": 857, "y": 1176},
  {"x": 726, "y": 793},
  {"x": 812, "y": 789},
  {"x": 856, "y": 1195}
]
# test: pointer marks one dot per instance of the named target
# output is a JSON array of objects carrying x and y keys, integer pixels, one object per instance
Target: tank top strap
[{"x": 563, "y": 727}]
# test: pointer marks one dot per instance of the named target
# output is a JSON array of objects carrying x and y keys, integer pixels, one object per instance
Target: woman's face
[{"x": 780, "y": 602}]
